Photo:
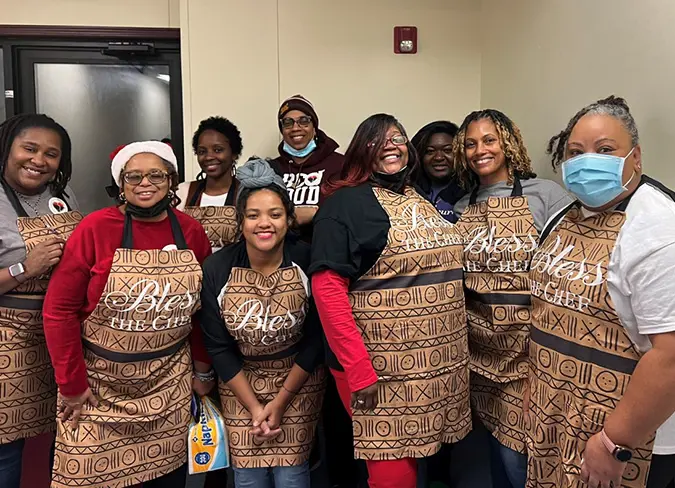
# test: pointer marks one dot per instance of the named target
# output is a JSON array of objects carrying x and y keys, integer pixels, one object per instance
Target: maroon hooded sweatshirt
[{"x": 304, "y": 181}]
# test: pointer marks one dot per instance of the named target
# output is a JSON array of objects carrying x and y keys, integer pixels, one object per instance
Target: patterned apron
[
  {"x": 220, "y": 223},
  {"x": 266, "y": 316},
  {"x": 499, "y": 241},
  {"x": 582, "y": 359},
  {"x": 139, "y": 366},
  {"x": 409, "y": 308},
  {"x": 27, "y": 385}
]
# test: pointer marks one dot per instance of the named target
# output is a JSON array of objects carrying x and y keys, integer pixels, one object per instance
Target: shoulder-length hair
[{"x": 361, "y": 155}]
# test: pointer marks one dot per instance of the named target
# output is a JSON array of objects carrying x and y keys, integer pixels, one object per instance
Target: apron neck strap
[
  {"x": 516, "y": 192},
  {"x": 13, "y": 199},
  {"x": 517, "y": 187},
  {"x": 231, "y": 194},
  {"x": 178, "y": 236},
  {"x": 195, "y": 192},
  {"x": 197, "y": 188}
]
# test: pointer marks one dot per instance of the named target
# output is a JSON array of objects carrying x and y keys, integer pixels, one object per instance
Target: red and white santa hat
[{"x": 123, "y": 156}]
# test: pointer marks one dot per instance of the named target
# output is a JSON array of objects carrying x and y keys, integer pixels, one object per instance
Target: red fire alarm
[{"x": 405, "y": 40}]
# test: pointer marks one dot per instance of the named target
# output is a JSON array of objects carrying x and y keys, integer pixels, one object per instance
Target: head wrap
[{"x": 257, "y": 173}]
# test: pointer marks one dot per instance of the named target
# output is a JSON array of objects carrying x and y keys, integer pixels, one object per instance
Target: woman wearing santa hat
[{"x": 119, "y": 328}]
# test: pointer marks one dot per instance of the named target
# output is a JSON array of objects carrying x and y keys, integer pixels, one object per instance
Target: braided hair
[
  {"x": 518, "y": 161},
  {"x": 14, "y": 126},
  {"x": 613, "y": 106}
]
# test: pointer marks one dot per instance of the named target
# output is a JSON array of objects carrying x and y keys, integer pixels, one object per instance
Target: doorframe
[
  {"x": 89, "y": 32},
  {"x": 72, "y": 38}
]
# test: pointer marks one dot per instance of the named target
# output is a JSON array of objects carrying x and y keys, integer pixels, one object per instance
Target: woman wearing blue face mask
[
  {"x": 602, "y": 346},
  {"x": 308, "y": 158}
]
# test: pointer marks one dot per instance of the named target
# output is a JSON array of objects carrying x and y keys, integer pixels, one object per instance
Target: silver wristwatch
[{"x": 18, "y": 272}]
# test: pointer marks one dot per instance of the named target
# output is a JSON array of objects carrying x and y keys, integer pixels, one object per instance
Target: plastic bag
[{"x": 208, "y": 448}]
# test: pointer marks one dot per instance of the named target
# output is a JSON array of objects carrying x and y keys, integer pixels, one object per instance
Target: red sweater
[{"x": 77, "y": 284}]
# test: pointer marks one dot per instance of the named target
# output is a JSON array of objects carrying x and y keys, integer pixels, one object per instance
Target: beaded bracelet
[{"x": 205, "y": 377}]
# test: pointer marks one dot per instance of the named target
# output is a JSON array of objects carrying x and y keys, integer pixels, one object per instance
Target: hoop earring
[{"x": 122, "y": 198}]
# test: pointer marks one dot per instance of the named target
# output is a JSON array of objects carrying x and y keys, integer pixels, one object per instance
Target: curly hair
[
  {"x": 14, "y": 126},
  {"x": 518, "y": 161},
  {"x": 223, "y": 126},
  {"x": 613, "y": 106}
]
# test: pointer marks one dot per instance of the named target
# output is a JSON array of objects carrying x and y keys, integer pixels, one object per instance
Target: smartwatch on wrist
[
  {"x": 18, "y": 272},
  {"x": 620, "y": 453}
]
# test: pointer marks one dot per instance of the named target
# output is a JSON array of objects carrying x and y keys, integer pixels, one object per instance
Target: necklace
[{"x": 34, "y": 207}]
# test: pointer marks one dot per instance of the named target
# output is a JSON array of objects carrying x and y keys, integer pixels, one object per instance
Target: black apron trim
[
  {"x": 196, "y": 197},
  {"x": 516, "y": 192},
  {"x": 583, "y": 353},
  {"x": 499, "y": 298},
  {"x": 178, "y": 237},
  {"x": 13, "y": 199},
  {"x": 553, "y": 222},
  {"x": 278, "y": 355},
  {"x": 650, "y": 181},
  {"x": 408, "y": 281},
  {"x": 20, "y": 303},
  {"x": 123, "y": 357}
]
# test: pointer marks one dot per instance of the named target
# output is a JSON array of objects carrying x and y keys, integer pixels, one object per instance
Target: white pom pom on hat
[{"x": 157, "y": 148}]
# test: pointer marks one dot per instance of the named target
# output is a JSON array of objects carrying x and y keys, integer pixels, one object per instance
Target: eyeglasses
[
  {"x": 134, "y": 178},
  {"x": 289, "y": 122},
  {"x": 397, "y": 140}
]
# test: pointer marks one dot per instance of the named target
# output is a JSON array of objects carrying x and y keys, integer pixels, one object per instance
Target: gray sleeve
[
  {"x": 461, "y": 205},
  {"x": 559, "y": 198},
  {"x": 72, "y": 200},
  {"x": 545, "y": 199}
]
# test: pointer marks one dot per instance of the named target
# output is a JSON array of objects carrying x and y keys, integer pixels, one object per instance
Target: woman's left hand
[
  {"x": 599, "y": 469},
  {"x": 202, "y": 388},
  {"x": 70, "y": 408}
]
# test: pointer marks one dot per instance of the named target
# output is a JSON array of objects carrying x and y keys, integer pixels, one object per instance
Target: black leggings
[
  {"x": 174, "y": 479},
  {"x": 662, "y": 472}
]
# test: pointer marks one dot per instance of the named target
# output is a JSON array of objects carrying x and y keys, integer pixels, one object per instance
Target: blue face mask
[
  {"x": 300, "y": 153},
  {"x": 595, "y": 179}
]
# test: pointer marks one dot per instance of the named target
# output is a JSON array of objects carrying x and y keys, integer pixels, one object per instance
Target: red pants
[{"x": 395, "y": 473}]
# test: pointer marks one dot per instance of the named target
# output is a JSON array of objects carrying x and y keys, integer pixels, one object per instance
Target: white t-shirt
[
  {"x": 206, "y": 200},
  {"x": 641, "y": 279}
]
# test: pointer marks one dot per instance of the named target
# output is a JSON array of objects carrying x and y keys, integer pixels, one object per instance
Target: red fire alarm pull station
[{"x": 405, "y": 40}]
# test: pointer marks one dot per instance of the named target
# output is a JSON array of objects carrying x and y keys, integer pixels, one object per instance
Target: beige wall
[
  {"x": 545, "y": 60},
  {"x": 337, "y": 54},
  {"x": 117, "y": 13}
]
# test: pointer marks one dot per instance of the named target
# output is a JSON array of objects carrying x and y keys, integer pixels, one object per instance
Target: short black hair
[
  {"x": 421, "y": 139},
  {"x": 14, "y": 126},
  {"x": 225, "y": 127}
]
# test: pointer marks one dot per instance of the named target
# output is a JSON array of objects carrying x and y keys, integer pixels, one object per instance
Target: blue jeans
[
  {"x": 508, "y": 467},
  {"x": 277, "y": 477},
  {"x": 10, "y": 464}
]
